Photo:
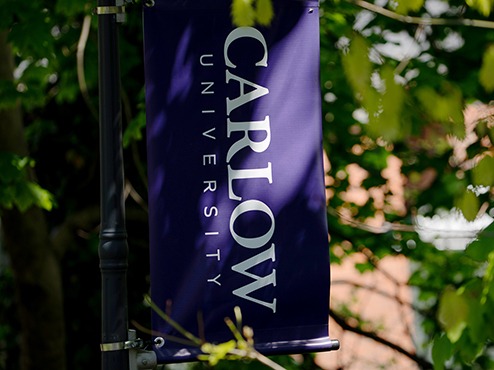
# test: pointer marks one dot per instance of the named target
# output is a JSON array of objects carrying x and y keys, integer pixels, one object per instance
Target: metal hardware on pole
[
  {"x": 113, "y": 248},
  {"x": 140, "y": 358}
]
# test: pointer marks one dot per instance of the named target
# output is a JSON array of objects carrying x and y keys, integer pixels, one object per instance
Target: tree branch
[
  {"x": 423, "y": 363},
  {"x": 423, "y": 21},
  {"x": 374, "y": 290}
]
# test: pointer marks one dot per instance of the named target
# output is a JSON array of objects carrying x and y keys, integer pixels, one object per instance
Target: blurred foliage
[
  {"x": 395, "y": 92},
  {"x": 16, "y": 189},
  {"x": 410, "y": 88},
  {"x": 252, "y": 12}
]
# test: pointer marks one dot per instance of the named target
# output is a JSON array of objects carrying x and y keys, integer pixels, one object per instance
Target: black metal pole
[{"x": 113, "y": 248}]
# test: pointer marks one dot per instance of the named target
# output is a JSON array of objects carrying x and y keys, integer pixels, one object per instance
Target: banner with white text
[{"x": 236, "y": 185}]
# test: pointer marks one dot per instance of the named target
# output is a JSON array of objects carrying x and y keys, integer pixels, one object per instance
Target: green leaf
[
  {"x": 469, "y": 205},
  {"x": 41, "y": 197},
  {"x": 358, "y": 68},
  {"x": 490, "y": 328},
  {"x": 10, "y": 168},
  {"x": 243, "y": 13},
  {"x": 23, "y": 197},
  {"x": 264, "y": 12},
  {"x": 37, "y": 25},
  {"x": 453, "y": 314},
  {"x": 10, "y": 95},
  {"x": 486, "y": 74},
  {"x": 445, "y": 106},
  {"x": 483, "y": 172},
  {"x": 472, "y": 292},
  {"x": 468, "y": 350},
  {"x": 405, "y": 6},
  {"x": 69, "y": 7},
  {"x": 7, "y": 196},
  {"x": 483, "y": 6},
  {"x": 490, "y": 133},
  {"x": 488, "y": 291},
  {"x": 15, "y": 189},
  {"x": 480, "y": 249},
  {"x": 387, "y": 121},
  {"x": 68, "y": 91},
  {"x": 135, "y": 128},
  {"x": 442, "y": 350},
  {"x": 363, "y": 267}
]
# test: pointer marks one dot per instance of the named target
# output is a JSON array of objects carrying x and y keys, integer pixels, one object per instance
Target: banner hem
[{"x": 324, "y": 344}]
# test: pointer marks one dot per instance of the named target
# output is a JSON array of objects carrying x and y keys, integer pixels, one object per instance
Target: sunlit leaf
[
  {"x": 16, "y": 189},
  {"x": 387, "y": 121},
  {"x": 41, "y": 197},
  {"x": 357, "y": 66},
  {"x": 469, "y": 205},
  {"x": 444, "y": 105},
  {"x": 453, "y": 314},
  {"x": 483, "y": 6},
  {"x": 264, "y": 12},
  {"x": 486, "y": 74},
  {"x": 483, "y": 172},
  {"x": 243, "y": 13},
  {"x": 405, "y": 6}
]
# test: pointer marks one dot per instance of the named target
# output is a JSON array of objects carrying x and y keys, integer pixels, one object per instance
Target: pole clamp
[
  {"x": 119, "y": 346},
  {"x": 131, "y": 344},
  {"x": 110, "y": 9},
  {"x": 117, "y": 10}
]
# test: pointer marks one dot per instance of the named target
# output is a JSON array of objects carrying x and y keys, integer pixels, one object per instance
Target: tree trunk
[{"x": 34, "y": 263}]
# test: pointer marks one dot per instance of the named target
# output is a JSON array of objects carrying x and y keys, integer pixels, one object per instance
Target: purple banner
[{"x": 236, "y": 186}]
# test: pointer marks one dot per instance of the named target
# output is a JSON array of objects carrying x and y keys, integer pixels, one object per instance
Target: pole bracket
[
  {"x": 120, "y": 346},
  {"x": 117, "y": 10},
  {"x": 132, "y": 343},
  {"x": 110, "y": 9},
  {"x": 138, "y": 357}
]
